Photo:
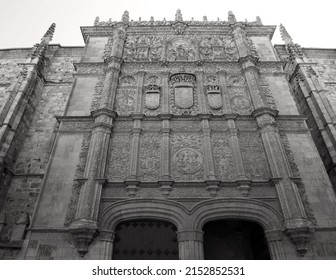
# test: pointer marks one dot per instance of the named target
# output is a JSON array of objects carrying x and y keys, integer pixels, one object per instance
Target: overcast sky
[{"x": 23, "y": 22}]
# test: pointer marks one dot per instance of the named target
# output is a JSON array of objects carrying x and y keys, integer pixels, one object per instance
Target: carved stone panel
[
  {"x": 253, "y": 155},
  {"x": 125, "y": 101},
  {"x": 187, "y": 158},
  {"x": 218, "y": 48},
  {"x": 224, "y": 163},
  {"x": 118, "y": 161},
  {"x": 180, "y": 49},
  {"x": 240, "y": 100},
  {"x": 150, "y": 157},
  {"x": 143, "y": 48}
]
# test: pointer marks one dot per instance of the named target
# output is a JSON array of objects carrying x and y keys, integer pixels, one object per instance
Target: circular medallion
[
  {"x": 188, "y": 161},
  {"x": 241, "y": 103}
]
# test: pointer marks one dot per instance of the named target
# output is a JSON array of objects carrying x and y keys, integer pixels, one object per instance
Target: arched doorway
[
  {"x": 234, "y": 240},
  {"x": 145, "y": 239}
]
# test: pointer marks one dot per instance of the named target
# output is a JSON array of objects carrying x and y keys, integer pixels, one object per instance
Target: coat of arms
[{"x": 152, "y": 97}]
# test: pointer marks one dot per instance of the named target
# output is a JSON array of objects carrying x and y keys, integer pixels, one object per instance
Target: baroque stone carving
[
  {"x": 224, "y": 163},
  {"x": 187, "y": 158},
  {"x": 118, "y": 161},
  {"x": 125, "y": 101},
  {"x": 150, "y": 157}
]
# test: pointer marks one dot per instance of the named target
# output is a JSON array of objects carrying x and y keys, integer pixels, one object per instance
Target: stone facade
[{"x": 185, "y": 122}]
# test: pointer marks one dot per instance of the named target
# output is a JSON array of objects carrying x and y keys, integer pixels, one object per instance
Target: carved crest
[
  {"x": 214, "y": 97},
  {"x": 183, "y": 90},
  {"x": 152, "y": 98}
]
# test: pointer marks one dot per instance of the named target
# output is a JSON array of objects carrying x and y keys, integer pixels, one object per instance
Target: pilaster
[{"x": 190, "y": 245}]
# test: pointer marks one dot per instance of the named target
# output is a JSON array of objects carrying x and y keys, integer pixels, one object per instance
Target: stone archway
[{"x": 234, "y": 239}]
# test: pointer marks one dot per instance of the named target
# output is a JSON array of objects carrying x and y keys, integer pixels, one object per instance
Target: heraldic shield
[
  {"x": 184, "y": 97},
  {"x": 152, "y": 100},
  {"x": 214, "y": 97}
]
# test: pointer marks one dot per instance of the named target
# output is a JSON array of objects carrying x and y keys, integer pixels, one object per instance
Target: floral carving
[
  {"x": 187, "y": 158},
  {"x": 253, "y": 155},
  {"x": 235, "y": 80},
  {"x": 127, "y": 81},
  {"x": 125, "y": 101},
  {"x": 118, "y": 161},
  {"x": 97, "y": 95},
  {"x": 150, "y": 157},
  {"x": 224, "y": 163}
]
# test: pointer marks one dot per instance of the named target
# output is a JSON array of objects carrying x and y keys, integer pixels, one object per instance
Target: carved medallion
[
  {"x": 241, "y": 104},
  {"x": 152, "y": 98},
  {"x": 188, "y": 161}
]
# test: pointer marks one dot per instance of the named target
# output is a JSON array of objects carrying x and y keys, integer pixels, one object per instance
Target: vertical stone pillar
[
  {"x": 225, "y": 92},
  {"x": 165, "y": 180},
  {"x": 274, "y": 242},
  {"x": 107, "y": 240},
  {"x": 190, "y": 245},
  {"x": 296, "y": 222},
  {"x": 242, "y": 180},
  {"x": 86, "y": 221}
]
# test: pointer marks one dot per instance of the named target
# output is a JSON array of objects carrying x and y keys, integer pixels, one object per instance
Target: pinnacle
[{"x": 285, "y": 36}]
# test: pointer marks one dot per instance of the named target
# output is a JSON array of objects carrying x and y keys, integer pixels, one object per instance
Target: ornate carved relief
[
  {"x": 127, "y": 81},
  {"x": 152, "y": 100},
  {"x": 186, "y": 124},
  {"x": 235, "y": 80},
  {"x": 79, "y": 173},
  {"x": 224, "y": 163},
  {"x": 240, "y": 101},
  {"x": 122, "y": 125},
  {"x": 218, "y": 125},
  {"x": 97, "y": 95},
  {"x": 187, "y": 158},
  {"x": 151, "y": 125},
  {"x": 125, "y": 101},
  {"x": 45, "y": 252},
  {"x": 217, "y": 48},
  {"x": 152, "y": 79},
  {"x": 180, "y": 49},
  {"x": 183, "y": 97},
  {"x": 150, "y": 157},
  {"x": 296, "y": 173},
  {"x": 143, "y": 48},
  {"x": 253, "y": 156},
  {"x": 118, "y": 161}
]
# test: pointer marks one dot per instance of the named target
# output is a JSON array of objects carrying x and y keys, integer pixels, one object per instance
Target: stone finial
[
  {"x": 231, "y": 17},
  {"x": 125, "y": 17},
  {"x": 285, "y": 36},
  {"x": 49, "y": 34},
  {"x": 96, "y": 21},
  {"x": 205, "y": 18},
  {"x": 151, "y": 19},
  {"x": 178, "y": 15},
  {"x": 258, "y": 20}
]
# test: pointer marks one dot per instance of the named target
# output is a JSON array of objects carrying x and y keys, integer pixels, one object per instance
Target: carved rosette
[
  {"x": 240, "y": 101},
  {"x": 187, "y": 158}
]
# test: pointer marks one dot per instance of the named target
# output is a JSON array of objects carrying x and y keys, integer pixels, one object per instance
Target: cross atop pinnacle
[
  {"x": 178, "y": 15},
  {"x": 49, "y": 34},
  {"x": 285, "y": 36}
]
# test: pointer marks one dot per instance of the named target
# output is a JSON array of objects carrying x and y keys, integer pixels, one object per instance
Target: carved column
[
  {"x": 242, "y": 181},
  {"x": 225, "y": 92},
  {"x": 107, "y": 240},
  {"x": 85, "y": 224},
  {"x": 165, "y": 180},
  {"x": 190, "y": 245},
  {"x": 296, "y": 222},
  {"x": 274, "y": 241}
]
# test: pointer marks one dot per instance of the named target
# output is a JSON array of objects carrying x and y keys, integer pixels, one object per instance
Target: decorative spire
[
  {"x": 258, "y": 20},
  {"x": 231, "y": 17},
  {"x": 178, "y": 15},
  {"x": 205, "y": 18},
  {"x": 96, "y": 21},
  {"x": 125, "y": 17},
  {"x": 285, "y": 36},
  {"x": 151, "y": 18},
  {"x": 49, "y": 34}
]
